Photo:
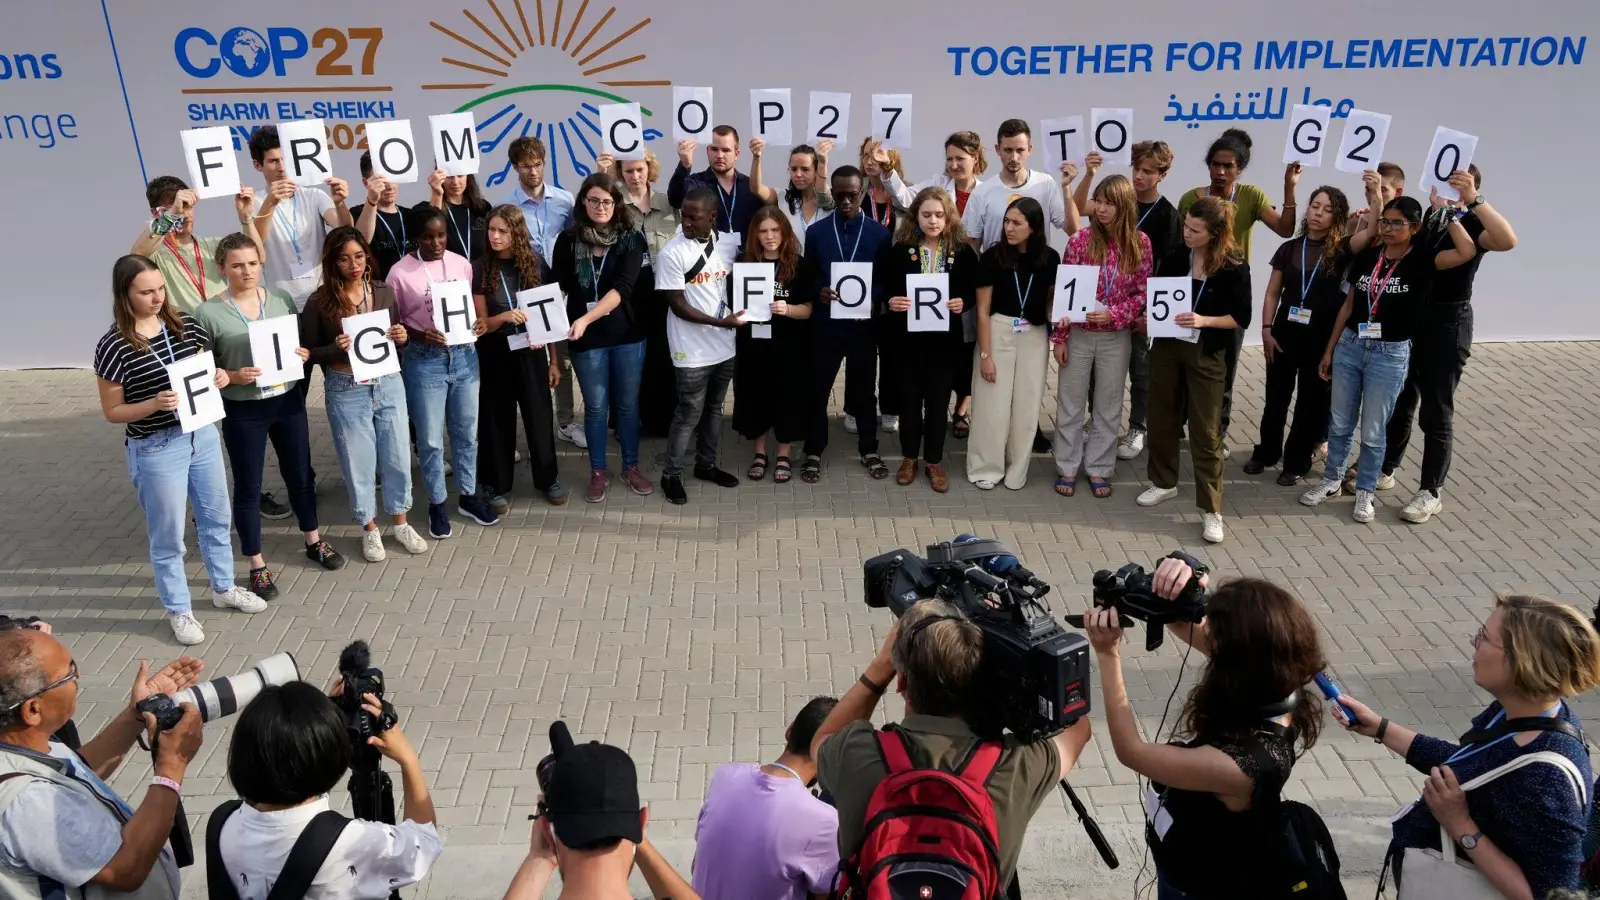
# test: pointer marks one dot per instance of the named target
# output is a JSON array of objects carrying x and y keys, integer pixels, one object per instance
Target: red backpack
[{"x": 930, "y": 834}]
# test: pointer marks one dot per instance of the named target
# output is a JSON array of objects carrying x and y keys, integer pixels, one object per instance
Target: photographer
[
  {"x": 48, "y": 790},
  {"x": 290, "y": 748},
  {"x": 591, "y": 828},
  {"x": 1212, "y": 802},
  {"x": 932, "y": 655}
]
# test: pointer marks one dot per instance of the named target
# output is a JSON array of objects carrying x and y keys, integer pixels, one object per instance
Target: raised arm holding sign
[
  {"x": 1063, "y": 141},
  {"x": 1361, "y": 148},
  {"x": 1111, "y": 133},
  {"x": 1308, "y": 131},
  {"x": 307, "y": 160},
  {"x": 394, "y": 151},
  {"x": 891, "y": 120},
  {"x": 691, "y": 113},
  {"x": 622, "y": 130},
  {"x": 772, "y": 116},
  {"x": 213, "y": 166},
  {"x": 828, "y": 118},
  {"x": 1451, "y": 151},
  {"x": 455, "y": 143}
]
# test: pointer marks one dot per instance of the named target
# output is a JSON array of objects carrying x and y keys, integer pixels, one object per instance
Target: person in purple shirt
[{"x": 765, "y": 836}]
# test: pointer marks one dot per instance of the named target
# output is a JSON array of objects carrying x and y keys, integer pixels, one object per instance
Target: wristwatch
[
  {"x": 983, "y": 354},
  {"x": 1476, "y": 202},
  {"x": 1470, "y": 841}
]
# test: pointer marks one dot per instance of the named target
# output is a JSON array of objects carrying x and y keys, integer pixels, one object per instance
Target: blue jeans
[
  {"x": 610, "y": 375},
  {"x": 369, "y": 430},
  {"x": 1367, "y": 377},
  {"x": 169, "y": 468},
  {"x": 442, "y": 392}
]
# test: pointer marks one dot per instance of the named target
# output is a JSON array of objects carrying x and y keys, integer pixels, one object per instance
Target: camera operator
[
  {"x": 290, "y": 748},
  {"x": 591, "y": 828},
  {"x": 1212, "y": 805},
  {"x": 48, "y": 791},
  {"x": 934, "y": 665}
]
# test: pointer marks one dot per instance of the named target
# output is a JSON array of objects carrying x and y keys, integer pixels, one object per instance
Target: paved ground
[{"x": 690, "y": 635}]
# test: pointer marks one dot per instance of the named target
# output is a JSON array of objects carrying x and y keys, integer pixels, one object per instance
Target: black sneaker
[
  {"x": 478, "y": 510},
  {"x": 438, "y": 521},
  {"x": 1253, "y": 467},
  {"x": 1041, "y": 444},
  {"x": 261, "y": 584},
  {"x": 1288, "y": 478},
  {"x": 272, "y": 509},
  {"x": 672, "y": 487},
  {"x": 323, "y": 554},
  {"x": 716, "y": 476}
]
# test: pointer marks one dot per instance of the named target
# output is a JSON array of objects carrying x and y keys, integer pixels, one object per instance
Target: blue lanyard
[
  {"x": 597, "y": 270},
  {"x": 1306, "y": 283},
  {"x": 382, "y": 221},
  {"x": 261, "y": 316},
  {"x": 1147, "y": 214},
  {"x": 172, "y": 355},
  {"x": 505, "y": 288},
  {"x": 1022, "y": 296},
  {"x": 466, "y": 242},
  {"x": 1201, "y": 292},
  {"x": 1469, "y": 751},
  {"x": 731, "y": 202},
  {"x": 837, "y": 240},
  {"x": 294, "y": 228}
]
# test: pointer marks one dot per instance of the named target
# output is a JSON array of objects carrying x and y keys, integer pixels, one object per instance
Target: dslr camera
[
  {"x": 222, "y": 697},
  {"x": 1131, "y": 592},
  {"x": 1034, "y": 674}
]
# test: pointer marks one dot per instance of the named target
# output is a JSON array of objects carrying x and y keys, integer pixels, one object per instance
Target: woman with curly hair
[{"x": 512, "y": 379}]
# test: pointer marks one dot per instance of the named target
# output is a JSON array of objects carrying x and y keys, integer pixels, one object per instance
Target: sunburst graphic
[{"x": 522, "y": 65}]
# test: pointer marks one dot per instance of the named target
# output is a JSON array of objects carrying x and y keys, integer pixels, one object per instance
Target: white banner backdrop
[{"x": 96, "y": 93}]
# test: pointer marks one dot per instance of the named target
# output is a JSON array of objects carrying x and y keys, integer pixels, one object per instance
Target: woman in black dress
[{"x": 771, "y": 391}]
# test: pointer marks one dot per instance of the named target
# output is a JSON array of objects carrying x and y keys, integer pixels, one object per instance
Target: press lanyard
[
  {"x": 465, "y": 242},
  {"x": 172, "y": 355},
  {"x": 1375, "y": 288},
  {"x": 1473, "y": 750},
  {"x": 888, "y": 209},
  {"x": 366, "y": 295},
  {"x": 539, "y": 207},
  {"x": 1305, "y": 282},
  {"x": 199, "y": 262},
  {"x": 779, "y": 765},
  {"x": 505, "y": 288},
  {"x": 801, "y": 212},
  {"x": 601, "y": 267},
  {"x": 840, "y": 242},
  {"x": 1022, "y": 296},
  {"x": 1146, "y": 215},
  {"x": 444, "y": 270},
  {"x": 731, "y": 202},
  {"x": 260, "y": 297},
  {"x": 293, "y": 228},
  {"x": 1200, "y": 291},
  {"x": 385, "y": 223}
]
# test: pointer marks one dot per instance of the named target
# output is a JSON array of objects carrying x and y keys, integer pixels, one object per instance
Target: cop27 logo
[
  {"x": 249, "y": 53},
  {"x": 541, "y": 68}
]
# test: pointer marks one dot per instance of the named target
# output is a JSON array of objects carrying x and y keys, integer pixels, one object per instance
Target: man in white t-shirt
[
  {"x": 292, "y": 221},
  {"x": 986, "y": 209},
  {"x": 693, "y": 272}
]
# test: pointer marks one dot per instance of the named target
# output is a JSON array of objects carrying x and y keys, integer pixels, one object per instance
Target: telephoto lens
[{"x": 223, "y": 697}]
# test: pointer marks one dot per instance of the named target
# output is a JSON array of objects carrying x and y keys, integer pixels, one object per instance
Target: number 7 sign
[
  {"x": 1075, "y": 297},
  {"x": 1165, "y": 299}
]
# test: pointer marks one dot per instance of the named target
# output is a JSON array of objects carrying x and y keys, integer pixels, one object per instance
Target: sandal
[
  {"x": 758, "y": 467},
  {"x": 811, "y": 469},
  {"x": 1100, "y": 486},
  {"x": 962, "y": 426},
  {"x": 875, "y": 466},
  {"x": 781, "y": 471},
  {"x": 1066, "y": 487}
]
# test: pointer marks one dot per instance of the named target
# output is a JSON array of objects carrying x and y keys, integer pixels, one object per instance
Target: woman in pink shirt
[{"x": 1098, "y": 348}]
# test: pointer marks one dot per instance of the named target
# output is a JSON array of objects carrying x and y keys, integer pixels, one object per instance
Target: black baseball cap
[{"x": 594, "y": 796}]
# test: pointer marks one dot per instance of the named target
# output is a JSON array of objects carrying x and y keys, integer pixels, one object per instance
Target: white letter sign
[
  {"x": 691, "y": 113},
  {"x": 1308, "y": 130},
  {"x": 772, "y": 116},
  {"x": 891, "y": 120},
  {"x": 1076, "y": 293},
  {"x": 547, "y": 317},
  {"x": 1112, "y": 132},
  {"x": 752, "y": 289},
  {"x": 453, "y": 313},
  {"x": 1365, "y": 133},
  {"x": 372, "y": 353},
  {"x": 306, "y": 157},
  {"x": 930, "y": 296},
  {"x": 194, "y": 380},
  {"x": 455, "y": 143},
  {"x": 1451, "y": 151},
  {"x": 394, "y": 153},
  {"x": 622, "y": 130},
  {"x": 829, "y": 118},
  {"x": 272, "y": 345},
  {"x": 853, "y": 283},
  {"x": 213, "y": 167},
  {"x": 1165, "y": 298},
  {"x": 1063, "y": 140}
]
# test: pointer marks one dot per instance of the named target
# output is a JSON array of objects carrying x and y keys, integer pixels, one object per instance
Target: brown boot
[
  {"x": 936, "y": 476},
  {"x": 907, "y": 473}
]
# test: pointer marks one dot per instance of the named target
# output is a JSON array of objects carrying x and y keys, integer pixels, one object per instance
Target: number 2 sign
[{"x": 1165, "y": 299}]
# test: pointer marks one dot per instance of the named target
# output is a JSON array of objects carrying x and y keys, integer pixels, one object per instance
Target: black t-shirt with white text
[{"x": 1400, "y": 288}]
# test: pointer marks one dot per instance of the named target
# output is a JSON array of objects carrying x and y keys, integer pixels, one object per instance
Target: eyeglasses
[
  {"x": 530, "y": 167},
  {"x": 72, "y": 675},
  {"x": 1482, "y": 637},
  {"x": 599, "y": 203},
  {"x": 1393, "y": 223}
]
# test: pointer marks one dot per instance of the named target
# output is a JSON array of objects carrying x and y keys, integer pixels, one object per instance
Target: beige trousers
[{"x": 1005, "y": 413}]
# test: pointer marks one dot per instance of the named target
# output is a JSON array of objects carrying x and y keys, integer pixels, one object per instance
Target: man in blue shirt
[
  {"x": 548, "y": 211},
  {"x": 737, "y": 201},
  {"x": 846, "y": 236}
]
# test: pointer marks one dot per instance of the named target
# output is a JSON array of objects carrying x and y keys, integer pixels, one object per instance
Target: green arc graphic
[{"x": 577, "y": 89}]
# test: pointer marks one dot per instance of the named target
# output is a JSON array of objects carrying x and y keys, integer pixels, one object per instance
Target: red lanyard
[
  {"x": 888, "y": 209},
  {"x": 199, "y": 262},
  {"x": 1375, "y": 288}
]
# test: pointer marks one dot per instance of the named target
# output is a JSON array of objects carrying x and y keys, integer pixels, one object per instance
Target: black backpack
[
  {"x": 1310, "y": 862},
  {"x": 311, "y": 849}
]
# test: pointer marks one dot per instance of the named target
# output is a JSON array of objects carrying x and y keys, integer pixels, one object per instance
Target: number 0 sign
[{"x": 1165, "y": 298}]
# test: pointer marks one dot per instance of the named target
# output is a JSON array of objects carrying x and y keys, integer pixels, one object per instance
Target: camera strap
[
  {"x": 1514, "y": 726},
  {"x": 310, "y": 851}
]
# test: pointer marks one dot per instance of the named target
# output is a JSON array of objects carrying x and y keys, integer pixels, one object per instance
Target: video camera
[
  {"x": 1034, "y": 675},
  {"x": 371, "y": 788},
  {"x": 1130, "y": 591}
]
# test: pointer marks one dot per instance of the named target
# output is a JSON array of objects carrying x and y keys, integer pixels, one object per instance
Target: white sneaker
[
  {"x": 409, "y": 539},
  {"x": 572, "y": 433},
  {"x": 984, "y": 484},
  {"x": 890, "y": 424},
  {"x": 1131, "y": 445},
  {"x": 1424, "y": 506},
  {"x": 1365, "y": 501},
  {"x": 236, "y": 597},
  {"x": 186, "y": 628},
  {"x": 1211, "y": 527},
  {"x": 1386, "y": 481},
  {"x": 1156, "y": 495},
  {"x": 850, "y": 423},
  {"x": 372, "y": 546},
  {"x": 1327, "y": 489},
  {"x": 516, "y": 456}
]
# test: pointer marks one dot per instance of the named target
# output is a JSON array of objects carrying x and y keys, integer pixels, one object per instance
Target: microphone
[
  {"x": 560, "y": 738},
  {"x": 1004, "y": 565}
]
